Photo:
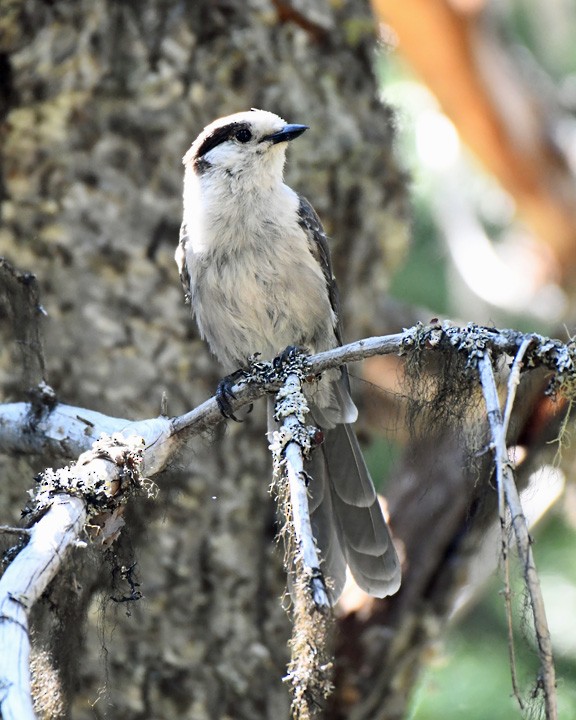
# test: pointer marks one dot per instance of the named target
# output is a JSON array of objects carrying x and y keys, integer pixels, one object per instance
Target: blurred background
[{"x": 485, "y": 101}]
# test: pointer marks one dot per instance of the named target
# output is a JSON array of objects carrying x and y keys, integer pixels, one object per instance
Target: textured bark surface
[{"x": 99, "y": 102}]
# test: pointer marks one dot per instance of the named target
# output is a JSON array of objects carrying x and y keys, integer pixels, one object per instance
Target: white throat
[{"x": 228, "y": 211}]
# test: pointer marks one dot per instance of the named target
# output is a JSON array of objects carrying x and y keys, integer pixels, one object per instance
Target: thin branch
[
  {"x": 9, "y": 530},
  {"x": 512, "y": 386},
  {"x": 514, "y": 382},
  {"x": 508, "y": 608},
  {"x": 505, "y": 479}
]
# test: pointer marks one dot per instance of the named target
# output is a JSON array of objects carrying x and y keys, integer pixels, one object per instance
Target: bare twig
[
  {"x": 512, "y": 386},
  {"x": 508, "y": 607},
  {"x": 505, "y": 479},
  {"x": 9, "y": 530},
  {"x": 514, "y": 381}
]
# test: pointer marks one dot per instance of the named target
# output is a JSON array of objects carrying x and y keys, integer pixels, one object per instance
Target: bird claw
[
  {"x": 256, "y": 372},
  {"x": 287, "y": 355},
  {"x": 224, "y": 394}
]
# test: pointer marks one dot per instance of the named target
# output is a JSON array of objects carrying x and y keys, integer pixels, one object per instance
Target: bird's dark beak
[{"x": 288, "y": 132}]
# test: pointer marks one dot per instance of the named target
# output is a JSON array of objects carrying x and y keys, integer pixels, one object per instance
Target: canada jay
[{"x": 255, "y": 265}]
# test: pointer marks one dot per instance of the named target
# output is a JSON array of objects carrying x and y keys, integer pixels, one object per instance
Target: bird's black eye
[{"x": 243, "y": 135}]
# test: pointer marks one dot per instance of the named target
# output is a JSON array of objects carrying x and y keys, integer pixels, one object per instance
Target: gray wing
[
  {"x": 312, "y": 226},
  {"x": 318, "y": 240},
  {"x": 180, "y": 257},
  {"x": 347, "y": 520}
]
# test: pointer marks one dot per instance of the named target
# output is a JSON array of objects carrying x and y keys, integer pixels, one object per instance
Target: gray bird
[{"x": 255, "y": 265}]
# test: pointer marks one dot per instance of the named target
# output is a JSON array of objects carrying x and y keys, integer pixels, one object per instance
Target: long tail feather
[{"x": 352, "y": 516}]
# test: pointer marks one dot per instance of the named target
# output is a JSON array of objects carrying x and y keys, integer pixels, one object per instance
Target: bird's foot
[
  {"x": 287, "y": 357},
  {"x": 224, "y": 393},
  {"x": 292, "y": 359}
]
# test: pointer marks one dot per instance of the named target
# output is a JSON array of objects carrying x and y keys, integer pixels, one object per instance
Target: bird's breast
[{"x": 257, "y": 290}]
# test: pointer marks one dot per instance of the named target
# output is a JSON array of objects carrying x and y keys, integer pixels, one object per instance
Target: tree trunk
[{"x": 100, "y": 100}]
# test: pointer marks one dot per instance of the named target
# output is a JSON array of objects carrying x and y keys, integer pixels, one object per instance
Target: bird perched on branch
[{"x": 255, "y": 264}]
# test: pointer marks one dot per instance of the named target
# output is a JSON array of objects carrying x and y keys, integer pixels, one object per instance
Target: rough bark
[{"x": 99, "y": 102}]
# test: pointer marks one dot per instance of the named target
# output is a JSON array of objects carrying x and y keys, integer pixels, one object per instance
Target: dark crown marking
[{"x": 218, "y": 136}]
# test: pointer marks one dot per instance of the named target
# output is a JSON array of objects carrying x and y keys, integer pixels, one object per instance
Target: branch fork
[
  {"x": 509, "y": 503},
  {"x": 68, "y": 499}
]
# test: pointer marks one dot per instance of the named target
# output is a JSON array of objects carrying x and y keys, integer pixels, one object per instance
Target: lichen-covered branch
[
  {"x": 310, "y": 667},
  {"x": 64, "y": 432},
  {"x": 99, "y": 482}
]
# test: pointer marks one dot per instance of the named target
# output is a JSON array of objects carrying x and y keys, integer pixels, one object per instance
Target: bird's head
[{"x": 247, "y": 144}]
